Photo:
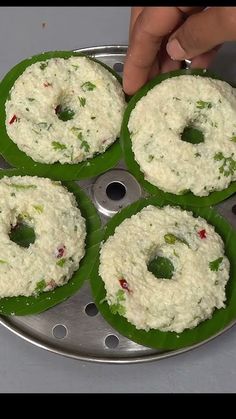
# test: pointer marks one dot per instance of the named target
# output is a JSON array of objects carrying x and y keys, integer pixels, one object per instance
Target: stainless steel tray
[{"x": 75, "y": 328}]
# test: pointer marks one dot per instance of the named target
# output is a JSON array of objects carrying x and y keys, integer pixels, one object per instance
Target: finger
[
  {"x": 163, "y": 62},
  {"x": 145, "y": 42},
  {"x": 204, "y": 60},
  {"x": 191, "y": 10},
  {"x": 169, "y": 65},
  {"x": 135, "y": 12},
  {"x": 155, "y": 69},
  {"x": 202, "y": 32}
]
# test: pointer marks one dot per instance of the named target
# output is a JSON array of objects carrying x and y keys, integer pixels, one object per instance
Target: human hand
[{"x": 161, "y": 37}]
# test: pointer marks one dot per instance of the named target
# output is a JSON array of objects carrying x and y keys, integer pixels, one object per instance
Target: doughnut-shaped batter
[
  {"x": 165, "y": 156},
  {"x": 196, "y": 270},
  {"x": 59, "y": 229},
  {"x": 65, "y": 110}
]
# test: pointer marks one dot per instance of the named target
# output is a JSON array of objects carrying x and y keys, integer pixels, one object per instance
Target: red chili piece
[
  {"x": 61, "y": 251},
  {"x": 124, "y": 284},
  {"x": 13, "y": 119},
  {"x": 47, "y": 84},
  {"x": 202, "y": 234}
]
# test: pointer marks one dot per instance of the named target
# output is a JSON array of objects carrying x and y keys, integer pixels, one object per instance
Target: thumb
[{"x": 201, "y": 32}]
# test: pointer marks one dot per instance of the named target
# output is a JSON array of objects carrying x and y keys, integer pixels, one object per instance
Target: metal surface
[
  {"x": 75, "y": 328},
  {"x": 124, "y": 189}
]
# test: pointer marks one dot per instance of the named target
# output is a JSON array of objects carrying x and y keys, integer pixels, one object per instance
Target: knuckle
[
  {"x": 190, "y": 38},
  {"x": 227, "y": 18}
]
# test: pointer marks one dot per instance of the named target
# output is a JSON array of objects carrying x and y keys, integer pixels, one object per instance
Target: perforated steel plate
[{"x": 75, "y": 328}]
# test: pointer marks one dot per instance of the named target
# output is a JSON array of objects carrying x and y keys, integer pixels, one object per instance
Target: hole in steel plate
[
  {"x": 91, "y": 309},
  {"x": 234, "y": 209},
  {"x": 118, "y": 67},
  {"x": 116, "y": 191},
  {"x": 59, "y": 331},
  {"x": 111, "y": 341}
]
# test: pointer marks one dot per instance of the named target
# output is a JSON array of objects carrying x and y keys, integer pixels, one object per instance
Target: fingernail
[{"x": 175, "y": 51}]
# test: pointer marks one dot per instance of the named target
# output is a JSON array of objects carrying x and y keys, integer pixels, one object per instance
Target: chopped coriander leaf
[
  {"x": 120, "y": 295},
  {"x": 233, "y": 139},
  {"x": 176, "y": 98},
  {"x": 203, "y": 105},
  {"x": 85, "y": 145},
  {"x": 38, "y": 208},
  {"x": 93, "y": 117},
  {"x": 88, "y": 86},
  {"x": 82, "y": 101},
  {"x": 58, "y": 146},
  {"x": 61, "y": 262},
  {"x": 228, "y": 164},
  {"x": 219, "y": 156},
  {"x": 19, "y": 186},
  {"x": 172, "y": 239},
  {"x": 40, "y": 286},
  {"x": 117, "y": 309},
  {"x": 30, "y": 99},
  {"x": 150, "y": 158},
  {"x": 183, "y": 192},
  {"x": 42, "y": 124},
  {"x": 215, "y": 264},
  {"x": 27, "y": 109},
  {"x": 24, "y": 216},
  {"x": 76, "y": 130},
  {"x": 43, "y": 65},
  {"x": 80, "y": 136},
  {"x": 36, "y": 132},
  {"x": 2, "y": 261}
]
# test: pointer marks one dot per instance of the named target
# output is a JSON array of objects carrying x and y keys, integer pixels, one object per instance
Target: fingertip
[
  {"x": 127, "y": 88},
  {"x": 132, "y": 84},
  {"x": 175, "y": 50}
]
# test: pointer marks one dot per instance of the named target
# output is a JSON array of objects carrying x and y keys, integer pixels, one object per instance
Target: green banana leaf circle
[
  {"x": 57, "y": 171},
  {"x": 171, "y": 340},
  {"x": 31, "y": 305},
  {"x": 188, "y": 198}
]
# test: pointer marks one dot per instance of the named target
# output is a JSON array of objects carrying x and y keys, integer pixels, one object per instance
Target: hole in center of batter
[
  {"x": 161, "y": 267},
  {"x": 22, "y": 234},
  {"x": 116, "y": 191},
  {"x": 64, "y": 113},
  {"x": 192, "y": 135}
]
